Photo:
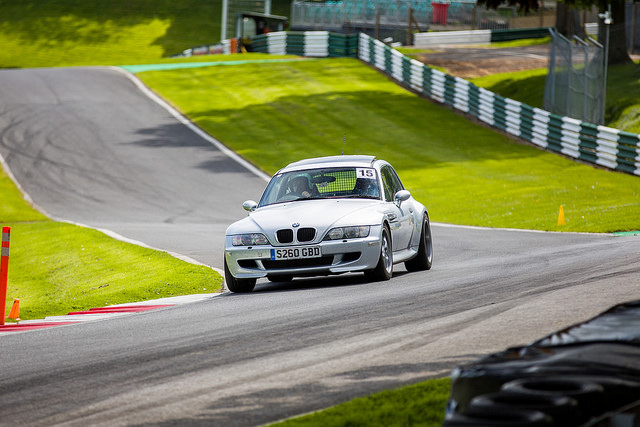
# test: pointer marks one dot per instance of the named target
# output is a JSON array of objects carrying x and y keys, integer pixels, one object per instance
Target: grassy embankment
[{"x": 53, "y": 33}]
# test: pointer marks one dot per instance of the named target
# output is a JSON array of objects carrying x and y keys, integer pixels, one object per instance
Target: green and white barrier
[
  {"x": 601, "y": 145},
  {"x": 308, "y": 43}
]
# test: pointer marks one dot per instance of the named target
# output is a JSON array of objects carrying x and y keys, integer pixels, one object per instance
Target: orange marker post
[
  {"x": 4, "y": 266},
  {"x": 14, "y": 313}
]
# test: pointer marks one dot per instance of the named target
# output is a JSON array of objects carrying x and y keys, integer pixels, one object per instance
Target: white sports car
[{"x": 328, "y": 215}]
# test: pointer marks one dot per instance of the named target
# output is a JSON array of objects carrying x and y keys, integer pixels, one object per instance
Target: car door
[{"x": 400, "y": 217}]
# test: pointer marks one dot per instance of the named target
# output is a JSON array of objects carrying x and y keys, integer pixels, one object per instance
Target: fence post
[
  {"x": 552, "y": 72},
  {"x": 4, "y": 266}
]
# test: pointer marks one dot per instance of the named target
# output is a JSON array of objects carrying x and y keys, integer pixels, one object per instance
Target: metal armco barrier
[
  {"x": 601, "y": 145},
  {"x": 4, "y": 267}
]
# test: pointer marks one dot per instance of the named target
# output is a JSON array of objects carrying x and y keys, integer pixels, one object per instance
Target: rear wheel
[
  {"x": 237, "y": 285},
  {"x": 384, "y": 268},
  {"x": 424, "y": 259}
]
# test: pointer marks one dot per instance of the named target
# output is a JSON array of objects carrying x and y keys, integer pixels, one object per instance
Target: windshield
[{"x": 345, "y": 182}]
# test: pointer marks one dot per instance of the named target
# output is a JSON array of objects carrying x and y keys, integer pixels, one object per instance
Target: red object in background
[{"x": 440, "y": 13}]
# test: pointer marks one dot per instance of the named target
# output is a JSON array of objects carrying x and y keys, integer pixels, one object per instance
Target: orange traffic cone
[
  {"x": 561, "y": 216},
  {"x": 15, "y": 310}
]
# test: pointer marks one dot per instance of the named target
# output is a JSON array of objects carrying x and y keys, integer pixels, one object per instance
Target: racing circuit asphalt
[{"x": 89, "y": 146}]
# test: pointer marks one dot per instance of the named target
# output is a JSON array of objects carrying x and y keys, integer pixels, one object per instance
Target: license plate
[{"x": 296, "y": 253}]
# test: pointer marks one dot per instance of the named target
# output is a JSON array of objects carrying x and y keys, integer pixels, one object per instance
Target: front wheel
[
  {"x": 384, "y": 268},
  {"x": 237, "y": 285},
  {"x": 424, "y": 259}
]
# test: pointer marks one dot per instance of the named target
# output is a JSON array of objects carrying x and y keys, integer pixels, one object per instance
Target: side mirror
[
  {"x": 401, "y": 196},
  {"x": 249, "y": 205}
]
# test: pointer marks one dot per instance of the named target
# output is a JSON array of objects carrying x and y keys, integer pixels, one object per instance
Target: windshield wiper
[{"x": 360, "y": 196}]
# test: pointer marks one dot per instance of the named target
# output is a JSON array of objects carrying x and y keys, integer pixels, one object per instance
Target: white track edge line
[
  {"x": 25, "y": 195},
  {"x": 114, "y": 235},
  {"x": 517, "y": 230}
]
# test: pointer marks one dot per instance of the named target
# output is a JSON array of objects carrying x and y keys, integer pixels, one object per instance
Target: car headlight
[
  {"x": 348, "y": 232},
  {"x": 249, "y": 239}
]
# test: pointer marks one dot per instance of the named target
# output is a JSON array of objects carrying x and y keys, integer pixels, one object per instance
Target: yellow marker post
[{"x": 561, "y": 216}]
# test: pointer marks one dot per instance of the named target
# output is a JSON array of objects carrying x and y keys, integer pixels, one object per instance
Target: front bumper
[{"x": 337, "y": 256}]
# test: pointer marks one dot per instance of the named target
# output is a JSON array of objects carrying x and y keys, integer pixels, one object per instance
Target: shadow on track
[{"x": 323, "y": 282}]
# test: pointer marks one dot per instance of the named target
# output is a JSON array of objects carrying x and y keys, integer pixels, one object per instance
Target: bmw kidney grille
[
  {"x": 284, "y": 236},
  {"x": 305, "y": 234}
]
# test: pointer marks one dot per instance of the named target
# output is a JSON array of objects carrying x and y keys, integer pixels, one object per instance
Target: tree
[
  {"x": 617, "y": 40},
  {"x": 568, "y": 21},
  {"x": 618, "y": 53}
]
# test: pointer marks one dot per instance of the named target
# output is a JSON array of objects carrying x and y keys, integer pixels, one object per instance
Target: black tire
[
  {"x": 563, "y": 410},
  {"x": 589, "y": 395},
  {"x": 384, "y": 268},
  {"x": 237, "y": 285},
  {"x": 424, "y": 259},
  {"x": 506, "y": 417},
  {"x": 618, "y": 391},
  {"x": 282, "y": 279}
]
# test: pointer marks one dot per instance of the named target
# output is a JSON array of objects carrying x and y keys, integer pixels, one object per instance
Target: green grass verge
[
  {"x": 273, "y": 114},
  {"x": 414, "y": 405},
  {"x": 55, "y": 267},
  {"x": 519, "y": 43}
]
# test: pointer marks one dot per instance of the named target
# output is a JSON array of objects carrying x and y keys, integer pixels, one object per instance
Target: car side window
[
  {"x": 386, "y": 184},
  {"x": 397, "y": 184},
  {"x": 390, "y": 182}
]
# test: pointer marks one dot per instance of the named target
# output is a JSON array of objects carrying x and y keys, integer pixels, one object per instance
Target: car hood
[{"x": 319, "y": 214}]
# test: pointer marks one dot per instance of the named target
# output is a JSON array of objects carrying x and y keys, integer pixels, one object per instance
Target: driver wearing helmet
[{"x": 299, "y": 186}]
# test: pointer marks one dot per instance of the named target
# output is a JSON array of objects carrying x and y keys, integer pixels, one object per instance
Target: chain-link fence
[{"x": 575, "y": 82}]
